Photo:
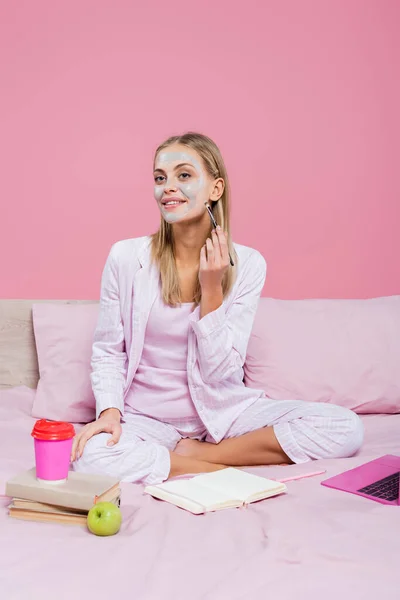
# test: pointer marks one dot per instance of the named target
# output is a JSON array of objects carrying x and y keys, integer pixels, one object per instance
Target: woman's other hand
[{"x": 109, "y": 421}]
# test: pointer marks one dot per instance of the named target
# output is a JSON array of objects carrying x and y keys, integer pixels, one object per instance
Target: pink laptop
[{"x": 377, "y": 480}]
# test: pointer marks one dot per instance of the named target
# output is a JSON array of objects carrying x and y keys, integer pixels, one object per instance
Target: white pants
[{"x": 305, "y": 431}]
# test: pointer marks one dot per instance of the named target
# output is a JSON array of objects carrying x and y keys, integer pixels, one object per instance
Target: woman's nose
[{"x": 170, "y": 185}]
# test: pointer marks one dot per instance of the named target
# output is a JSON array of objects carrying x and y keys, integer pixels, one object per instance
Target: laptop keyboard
[{"x": 386, "y": 488}]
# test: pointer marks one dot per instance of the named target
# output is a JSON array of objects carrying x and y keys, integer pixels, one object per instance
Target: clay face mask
[{"x": 188, "y": 190}]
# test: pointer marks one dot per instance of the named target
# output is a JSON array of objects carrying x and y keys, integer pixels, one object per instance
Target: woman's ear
[{"x": 218, "y": 189}]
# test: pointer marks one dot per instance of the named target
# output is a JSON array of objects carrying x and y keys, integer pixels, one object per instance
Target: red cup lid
[{"x": 52, "y": 430}]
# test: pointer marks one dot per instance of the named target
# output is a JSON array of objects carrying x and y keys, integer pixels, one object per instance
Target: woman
[{"x": 170, "y": 344}]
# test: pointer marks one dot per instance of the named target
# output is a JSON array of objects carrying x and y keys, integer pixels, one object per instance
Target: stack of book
[{"x": 67, "y": 502}]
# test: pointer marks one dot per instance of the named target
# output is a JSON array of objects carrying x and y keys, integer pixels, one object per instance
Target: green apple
[{"x": 104, "y": 518}]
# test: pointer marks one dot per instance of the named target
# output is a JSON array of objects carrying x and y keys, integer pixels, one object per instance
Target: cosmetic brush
[{"x": 214, "y": 222}]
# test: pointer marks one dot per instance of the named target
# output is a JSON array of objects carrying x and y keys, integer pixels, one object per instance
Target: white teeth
[{"x": 173, "y": 202}]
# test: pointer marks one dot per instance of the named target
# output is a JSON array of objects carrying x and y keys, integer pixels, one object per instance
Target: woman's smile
[{"x": 172, "y": 203}]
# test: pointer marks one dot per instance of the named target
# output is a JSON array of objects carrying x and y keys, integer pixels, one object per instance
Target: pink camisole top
[{"x": 160, "y": 385}]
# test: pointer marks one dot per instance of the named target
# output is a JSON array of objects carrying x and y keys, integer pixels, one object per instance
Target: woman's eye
[
  {"x": 159, "y": 179},
  {"x": 185, "y": 175}
]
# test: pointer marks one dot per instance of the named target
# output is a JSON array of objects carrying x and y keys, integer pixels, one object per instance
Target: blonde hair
[{"x": 162, "y": 242}]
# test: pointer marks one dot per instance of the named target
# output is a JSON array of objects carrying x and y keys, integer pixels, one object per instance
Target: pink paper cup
[{"x": 53, "y": 445}]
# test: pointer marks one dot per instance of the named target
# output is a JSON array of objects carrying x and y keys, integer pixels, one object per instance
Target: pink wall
[{"x": 302, "y": 96}]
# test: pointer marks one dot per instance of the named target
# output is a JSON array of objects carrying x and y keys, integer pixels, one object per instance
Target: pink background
[{"x": 302, "y": 97}]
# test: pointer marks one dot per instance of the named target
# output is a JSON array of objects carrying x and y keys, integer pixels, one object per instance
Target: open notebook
[{"x": 228, "y": 488}]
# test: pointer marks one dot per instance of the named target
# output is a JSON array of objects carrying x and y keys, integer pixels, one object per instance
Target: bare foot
[{"x": 196, "y": 449}]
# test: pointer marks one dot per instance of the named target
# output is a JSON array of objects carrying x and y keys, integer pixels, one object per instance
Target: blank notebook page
[
  {"x": 237, "y": 484},
  {"x": 189, "y": 488}
]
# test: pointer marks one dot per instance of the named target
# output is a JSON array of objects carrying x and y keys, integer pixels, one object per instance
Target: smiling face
[{"x": 182, "y": 184}]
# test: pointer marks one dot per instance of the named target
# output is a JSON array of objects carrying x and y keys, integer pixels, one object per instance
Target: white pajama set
[{"x": 173, "y": 375}]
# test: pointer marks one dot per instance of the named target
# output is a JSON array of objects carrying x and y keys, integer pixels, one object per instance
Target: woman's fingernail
[{"x": 218, "y": 227}]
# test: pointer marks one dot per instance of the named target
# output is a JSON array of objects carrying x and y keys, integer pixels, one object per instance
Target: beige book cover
[
  {"x": 81, "y": 490},
  {"x": 71, "y": 518},
  {"x": 19, "y": 503},
  {"x": 227, "y": 488}
]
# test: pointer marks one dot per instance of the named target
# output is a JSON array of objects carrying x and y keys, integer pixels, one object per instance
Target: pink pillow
[
  {"x": 345, "y": 352},
  {"x": 64, "y": 337}
]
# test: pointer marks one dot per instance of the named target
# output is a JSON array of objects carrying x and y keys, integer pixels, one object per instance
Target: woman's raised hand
[{"x": 214, "y": 261}]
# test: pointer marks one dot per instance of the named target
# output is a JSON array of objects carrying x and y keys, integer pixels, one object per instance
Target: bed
[{"x": 311, "y": 543}]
